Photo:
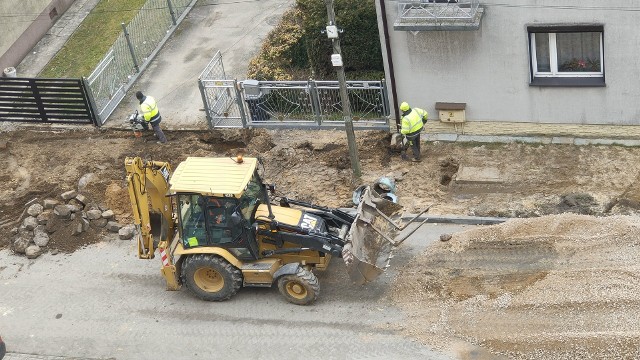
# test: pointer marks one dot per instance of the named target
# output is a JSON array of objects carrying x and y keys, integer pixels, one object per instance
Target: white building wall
[
  {"x": 488, "y": 69},
  {"x": 22, "y": 25}
]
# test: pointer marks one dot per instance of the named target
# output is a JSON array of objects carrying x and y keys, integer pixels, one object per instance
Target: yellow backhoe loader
[{"x": 216, "y": 230}]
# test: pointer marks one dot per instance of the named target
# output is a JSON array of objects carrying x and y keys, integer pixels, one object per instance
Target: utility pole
[{"x": 336, "y": 59}]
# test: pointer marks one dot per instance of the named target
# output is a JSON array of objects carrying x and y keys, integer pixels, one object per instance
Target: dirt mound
[
  {"x": 315, "y": 166},
  {"x": 554, "y": 287}
]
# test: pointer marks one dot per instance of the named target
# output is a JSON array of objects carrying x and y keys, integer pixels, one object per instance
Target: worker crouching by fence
[{"x": 151, "y": 115}]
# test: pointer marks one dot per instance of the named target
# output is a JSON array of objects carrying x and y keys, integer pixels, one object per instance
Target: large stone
[
  {"x": 108, "y": 214},
  {"x": 62, "y": 211},
  {"x": 113, "y": 226},
  {"x": 126, "y": 232},
  {"x": 21, "y": 244},
  {"x": 30, "y": 223},
  {"x": 77, "y": 228},
  {"x": 75, "y": 207},
  {"x": 24, "y": 232},
  {"x": 94, "y": 214},
  {"x": 82, "y": 199},
  {"x": 35, "y": 210},
  {"x": 85, "y": 180},
  {"x": 41, "y": 238},
  {"x": 85, "y": 224},
  {"x": 44, "y": 217},
  {"x": 50, "y": 203},
  {"x": 69, "y": 195},
  {"x": 33, "y": 251},
  {"x": 99, "y": 223}
]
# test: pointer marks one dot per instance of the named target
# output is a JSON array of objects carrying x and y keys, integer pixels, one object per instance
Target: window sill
[{"x": 569, "y": 81}]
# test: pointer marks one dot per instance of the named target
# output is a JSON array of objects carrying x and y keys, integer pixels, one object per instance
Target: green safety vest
[
  {"x": 149, "y": 109},
  {"x": 412, "y": 122}
]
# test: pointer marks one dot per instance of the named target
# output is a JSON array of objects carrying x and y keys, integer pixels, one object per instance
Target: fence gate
[
  {"x": 220, "y": 96},
  {"x": 46, "y": 101},
  {"x": 289, "y": 104}
]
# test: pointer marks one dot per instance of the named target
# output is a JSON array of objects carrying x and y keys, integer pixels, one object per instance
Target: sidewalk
[{"x": 55, "y": 38}]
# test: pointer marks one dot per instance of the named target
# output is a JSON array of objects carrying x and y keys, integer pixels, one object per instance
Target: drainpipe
[{"x": 392, "y": 75}]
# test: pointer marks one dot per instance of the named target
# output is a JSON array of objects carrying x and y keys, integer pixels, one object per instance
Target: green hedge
[{"x": 297, "y": 49}]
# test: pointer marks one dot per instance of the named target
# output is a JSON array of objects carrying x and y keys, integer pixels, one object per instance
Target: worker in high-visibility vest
[
  {"x": 150, "y": 115},
  {"x": 413, "y": 121}
]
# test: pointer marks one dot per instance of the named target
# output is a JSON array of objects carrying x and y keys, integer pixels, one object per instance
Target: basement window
[{"x": 567, "y": 56}]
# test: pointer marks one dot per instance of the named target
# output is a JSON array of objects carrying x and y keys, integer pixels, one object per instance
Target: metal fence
[
  {"x": 437, "y": 10},
  {"x": 289, "y": 104},
  {"x": 136, "y": 46},
  {"x": 46, "y": 101}
]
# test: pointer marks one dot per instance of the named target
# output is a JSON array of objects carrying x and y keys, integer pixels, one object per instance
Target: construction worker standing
[
  {"x": 151, "y": 115},
  {"x": 413, "y": 121}
]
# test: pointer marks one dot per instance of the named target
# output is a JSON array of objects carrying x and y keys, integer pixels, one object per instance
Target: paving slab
[{"x": 478, "y": 175}]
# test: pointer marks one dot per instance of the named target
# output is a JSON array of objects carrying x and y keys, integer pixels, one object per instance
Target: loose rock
[
  {"x": 62, "y": 211},
  {"x": 50, "y": 203},
  {"x": 34, "y": 210},
  {"x": 99, "y": 223},
  {"x": 126, "y": 232},
  {"x": 113, "y": 226},
  {"x": 20, "y": 245},
  {"x": 69, "y": 195},
  {"x": 30, "y": 223},
  {"x": 33, "y": 251},
  {"x": 94, "y": 214}
]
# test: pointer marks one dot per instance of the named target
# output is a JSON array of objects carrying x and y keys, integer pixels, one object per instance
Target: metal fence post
[
  {"x": 243, "y": 116},
  {"x": 385, "y": 99},
  {"x": 173, "y": 14},
  {"x": 205, "y": 101},
  {"x": 133, "y": 54},
  {"x": 315, "y": 101},
  {"x": 96, "y": 118}
]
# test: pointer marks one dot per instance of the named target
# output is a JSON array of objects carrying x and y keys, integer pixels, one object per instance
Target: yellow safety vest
[
  {"x": 412, "y": 122},
  {"x": 149, "y": 109}
]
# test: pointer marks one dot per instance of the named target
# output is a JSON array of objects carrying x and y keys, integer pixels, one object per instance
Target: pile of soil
[
  {"x": 554, "y": 287},
  {"x": 315, "y": 166}
]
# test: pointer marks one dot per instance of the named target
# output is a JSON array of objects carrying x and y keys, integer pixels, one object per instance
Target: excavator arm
[{"x": 148, "y": 185}]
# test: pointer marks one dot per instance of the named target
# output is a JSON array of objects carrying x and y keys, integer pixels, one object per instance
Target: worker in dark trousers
[
  {"x": 413, "y": 121},
  {"x": 151, "y": 115}
]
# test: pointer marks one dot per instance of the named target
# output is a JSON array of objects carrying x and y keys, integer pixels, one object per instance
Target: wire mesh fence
[{"x": 133, "y": 50}]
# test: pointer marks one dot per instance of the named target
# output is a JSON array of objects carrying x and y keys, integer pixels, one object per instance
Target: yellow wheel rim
[
  {"x": 208, "y": 279},
  {"x": 296, "y": 290}
]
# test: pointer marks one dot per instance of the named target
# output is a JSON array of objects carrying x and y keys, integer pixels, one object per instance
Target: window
[{"x": 567, "y": 56}]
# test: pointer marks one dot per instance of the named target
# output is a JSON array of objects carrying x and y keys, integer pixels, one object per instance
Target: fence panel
[
  {"x": 45, "y": 100},
  {"x": 289, "y": 104},
  {"x": 141, "y": 38}
]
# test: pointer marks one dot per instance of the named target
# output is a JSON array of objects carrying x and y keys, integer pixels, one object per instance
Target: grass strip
[{"x": 92, "y": 39}]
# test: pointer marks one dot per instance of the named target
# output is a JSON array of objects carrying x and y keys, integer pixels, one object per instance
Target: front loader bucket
[{"x": 370, "y": 241}]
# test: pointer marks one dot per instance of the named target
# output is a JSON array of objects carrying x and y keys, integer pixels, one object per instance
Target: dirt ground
[{"x": 553, "y": 287}]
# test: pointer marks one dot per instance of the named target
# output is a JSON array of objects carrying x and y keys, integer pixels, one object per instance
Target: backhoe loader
[{"x": 217, "y": 229}]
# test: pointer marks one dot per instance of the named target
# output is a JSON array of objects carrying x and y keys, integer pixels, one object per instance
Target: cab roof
[{"x": 212, "y": 176}]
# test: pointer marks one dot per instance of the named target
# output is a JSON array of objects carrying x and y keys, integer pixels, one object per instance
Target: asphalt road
[{"x": 102, "y": 302}]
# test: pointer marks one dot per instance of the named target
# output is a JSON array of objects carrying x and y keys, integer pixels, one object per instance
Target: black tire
[
  {"x": 301, "y": 288},
  {"x": 210, "y": 277}
]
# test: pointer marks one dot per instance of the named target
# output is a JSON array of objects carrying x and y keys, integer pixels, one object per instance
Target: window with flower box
[{"x": 567, "y": 55}]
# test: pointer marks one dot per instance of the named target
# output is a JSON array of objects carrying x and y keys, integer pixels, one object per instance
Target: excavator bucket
[{"x": 370, "y": 242}]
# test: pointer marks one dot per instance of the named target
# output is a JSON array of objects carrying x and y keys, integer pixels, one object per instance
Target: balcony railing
[{"x": 439, "y": 15}]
